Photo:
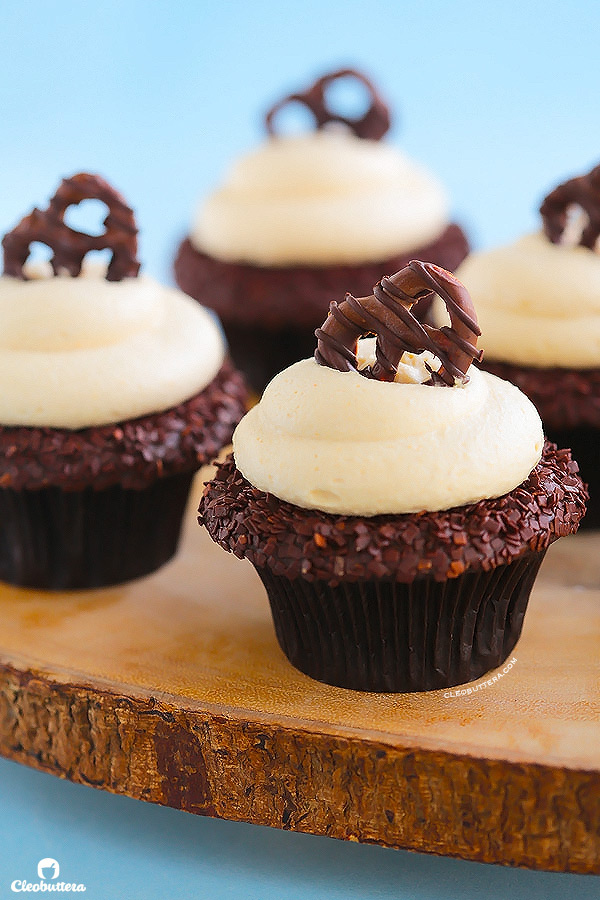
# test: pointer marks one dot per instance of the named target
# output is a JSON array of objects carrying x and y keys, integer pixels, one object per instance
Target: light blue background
[{"x": 500, "y": 99}]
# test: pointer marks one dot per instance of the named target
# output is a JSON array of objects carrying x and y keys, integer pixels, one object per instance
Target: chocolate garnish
[
  {"x": 583, "y": 191},
  {"x": 387, "y": 313},
  {"x": 372, "y": 125},
  {"x": 69, "y": 246}
]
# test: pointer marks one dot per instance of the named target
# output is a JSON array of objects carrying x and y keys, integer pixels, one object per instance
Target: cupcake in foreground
[
  {"x": 115, "y": 390},
  {"x": 396, "y": 508},
  {"x": 538, "y": 301},
  {"x": 305, "y": 218}
]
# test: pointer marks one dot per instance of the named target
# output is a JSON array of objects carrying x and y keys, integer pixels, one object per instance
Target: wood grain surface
[{"x": 172, "y": 689}]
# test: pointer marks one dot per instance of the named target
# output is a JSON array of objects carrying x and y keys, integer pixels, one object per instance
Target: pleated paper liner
[
  {"x": 390, "y": 636},
  {"x": 584, "y": 442},
  {"x": 56, "y": 539}
]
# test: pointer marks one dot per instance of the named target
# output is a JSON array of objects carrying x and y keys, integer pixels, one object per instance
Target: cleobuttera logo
[
  {"x": 48, "y": 868},
  {"x": 48, "y": 871}
]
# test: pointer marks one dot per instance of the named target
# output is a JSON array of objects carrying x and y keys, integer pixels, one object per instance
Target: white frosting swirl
[
  {"x": 323, "y": 198},
  {"x": 538, "y": 303},
  {"x": 346, "y": 444},
  {"x": 79, "y": 352}
]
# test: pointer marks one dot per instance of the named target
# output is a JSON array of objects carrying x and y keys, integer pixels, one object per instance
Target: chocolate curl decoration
[
  {"x": 69, "y": 246},
  {"x": 387, "y": 313},
  {"x": 583, "y": 191},
  {"x": 372, "y": 125}
]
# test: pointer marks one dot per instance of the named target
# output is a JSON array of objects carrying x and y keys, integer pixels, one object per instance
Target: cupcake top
[
  {"x": 337, "y": 195},
  {"x": 392, "y": 425},
  {"x": 98, "y": 345},
  {"x": 538, "y": 299}
]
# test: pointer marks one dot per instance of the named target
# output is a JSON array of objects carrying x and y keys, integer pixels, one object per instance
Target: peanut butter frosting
[
  {"x": 538, "y": 303},
  {"x": 342, "y": 443},
  {"x": 80, "y": 352},
  {"x": 322, "y": 198}
]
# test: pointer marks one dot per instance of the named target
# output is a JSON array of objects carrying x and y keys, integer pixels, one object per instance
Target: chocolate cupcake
[
  {"x": 115, "y": 391},
  {"x": 396, "y": 509},
  {"x": 539, "y": 309},
  {"x": 305, "y": 218}
]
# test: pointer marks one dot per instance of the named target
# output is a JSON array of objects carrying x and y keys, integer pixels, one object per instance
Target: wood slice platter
[{"x": 173, "y": 689}]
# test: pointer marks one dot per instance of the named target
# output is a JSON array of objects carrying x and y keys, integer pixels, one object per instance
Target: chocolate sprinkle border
[
  {"x": 132, "y": 453},
  {"x": 294, "y": 542},
  {"x": 283, "y": 296}
]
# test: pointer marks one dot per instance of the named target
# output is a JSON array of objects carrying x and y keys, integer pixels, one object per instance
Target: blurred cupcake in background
[
  {"x": 115, "y": 391},
  {"x": 538, "y": 301},
  {"x": 304, "y": 218}
]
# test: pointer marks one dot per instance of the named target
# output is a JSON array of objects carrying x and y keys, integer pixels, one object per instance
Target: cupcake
[
  {"x": 115, "y": 391},
  {"x": 396, "y": 508},
  {"x": 538, "y": 301},
  {"x": 304, "y": 218}
]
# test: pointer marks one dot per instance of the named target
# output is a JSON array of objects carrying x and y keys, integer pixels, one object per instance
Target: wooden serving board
[{"x": 173, "y": 689}]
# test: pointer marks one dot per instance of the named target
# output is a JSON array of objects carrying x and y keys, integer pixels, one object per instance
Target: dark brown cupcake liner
[
  {"x": 384, "y": 635},
  {"x": 58, "y": 540},
  {"x": 261, "y": 353},
  {"x": 269, "y": 314},
  {"x": 584, "y": 442}
]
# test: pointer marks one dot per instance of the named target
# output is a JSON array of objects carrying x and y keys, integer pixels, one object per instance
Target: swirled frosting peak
[
  {"x": 538, "y": 303},
  {"x": 79, "y": 352},
  {"x": 538, "y": 299},
  {"x": 339, "y": 442},
  {"x": 322, "y": 198}
]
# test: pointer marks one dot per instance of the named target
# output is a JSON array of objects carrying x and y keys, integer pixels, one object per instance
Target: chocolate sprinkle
[
  {"x": 372, "y": 125},
  {"x": 294, "y": 542},
  {"x": 69, "y": 246},
  {"x": 131, "y": 453}
]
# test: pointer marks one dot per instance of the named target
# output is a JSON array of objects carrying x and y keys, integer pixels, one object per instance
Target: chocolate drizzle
[
  {"x": 372, "y": 125},
  {"x": 387, "y": 313},
  {"x": 583, "y": 191},
  {"x": 69, "y": 246}
]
